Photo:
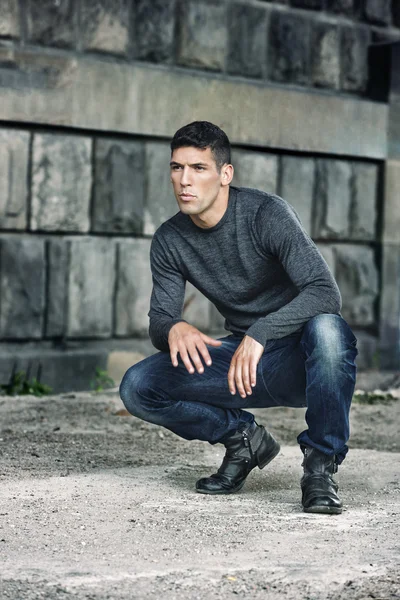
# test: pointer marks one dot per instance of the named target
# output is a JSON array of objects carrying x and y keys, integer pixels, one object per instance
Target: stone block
[
  {"x": 289, "y": 48},
  {"x": 119, "y": 186},
  {"x": 57, "y": 287},
  {"x": 196, "y": 308},
  {"x": 66, "y": 92},
  {"x": 354, "y": 54},
  {"x": 389, "y": 323},
  {"x": 14, "y": 157},
  {"x": 357, "y": 277},
  {"x": 160, "y": 203},
  {"x": 9, "y": 19},
  {"x": 368, "y": 353},
  {"x": 391, "y": 213},
  {"x": 118, "y": 362},
  {"x": 325, "y": 55},
  {"x": 310, "y": 4},
  {"x": 378, "y": 11},
  {"x": 203, "y": 34},
  {"x": 297, "y": 186},
  {"x": 51, "y": 23},
  {"x": 104, "y": 25},
  {"x": 154, "y": 30},
  {"x": 91, "y": 288},
  {"x": 363, "y": 210},
  {"x": 255, "y": 170},
  {"x": 344, "y": 7},
  {"x": 328, "y": 255},
  {"x": 134, "y": 286},
  {"x": 332, "y": 199},
  {"x": 61, "y": 183},
  {"x": 247, "y": 53},
  {"x": 217, "y": 321},
  {"x": 22, "y": 288}
]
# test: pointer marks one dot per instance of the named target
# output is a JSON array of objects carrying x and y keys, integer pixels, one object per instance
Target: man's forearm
[{"x": 312, "y": 301}]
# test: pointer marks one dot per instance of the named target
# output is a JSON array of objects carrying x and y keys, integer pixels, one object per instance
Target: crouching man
[{"x": 247, "y": 251}]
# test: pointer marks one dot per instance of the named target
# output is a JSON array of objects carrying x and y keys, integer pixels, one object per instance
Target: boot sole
[
  {"x": 222, "y": 492},
  {"x": 323, "y": 510}
]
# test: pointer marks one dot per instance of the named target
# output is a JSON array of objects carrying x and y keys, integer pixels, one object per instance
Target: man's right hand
[{"x": 188, "y": 340}]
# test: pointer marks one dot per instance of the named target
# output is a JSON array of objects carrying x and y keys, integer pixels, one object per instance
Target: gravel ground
[{"x": 96, "y": 504}]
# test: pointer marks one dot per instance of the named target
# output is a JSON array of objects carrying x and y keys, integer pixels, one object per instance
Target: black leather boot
[
  {"x": 246, "y": 449},
  {"x": 319, "y": 490}
]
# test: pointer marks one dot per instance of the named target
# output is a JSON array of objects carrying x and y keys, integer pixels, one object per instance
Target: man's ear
[{"x": 228, "y": 173}]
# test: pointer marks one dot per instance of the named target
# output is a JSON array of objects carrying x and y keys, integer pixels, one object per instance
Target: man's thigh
[
  {"x": 282, "y": 373},
  {"x": 280, "y": 376}
]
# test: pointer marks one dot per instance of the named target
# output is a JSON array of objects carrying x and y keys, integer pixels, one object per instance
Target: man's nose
[{"x": 185, "y": 177}]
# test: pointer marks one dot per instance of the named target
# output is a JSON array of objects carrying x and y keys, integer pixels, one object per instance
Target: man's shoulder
[
  {"x": 167, "y": 227},
  {"x": 264, "y": 201}
]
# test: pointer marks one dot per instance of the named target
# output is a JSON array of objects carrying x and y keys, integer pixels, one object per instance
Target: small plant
[
  {"x": 102, "y": 381},
  {"x": 19, "y": 385},
  {"x": 375, "y": 397}
]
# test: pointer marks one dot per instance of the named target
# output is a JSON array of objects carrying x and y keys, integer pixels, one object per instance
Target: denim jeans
[{"x": 314, "y": 368}]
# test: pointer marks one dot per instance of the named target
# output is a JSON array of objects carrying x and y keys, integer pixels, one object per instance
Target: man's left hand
[{"x": 243, "y": 368}]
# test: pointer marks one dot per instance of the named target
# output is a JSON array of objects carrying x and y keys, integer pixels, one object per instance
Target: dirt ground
[{"x": 95, "y": 504}]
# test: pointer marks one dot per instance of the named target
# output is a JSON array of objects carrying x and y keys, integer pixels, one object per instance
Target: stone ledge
[{"x": 58, "y": 90}]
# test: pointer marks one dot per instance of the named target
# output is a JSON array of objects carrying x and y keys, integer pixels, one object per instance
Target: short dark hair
[{"x": 202, "y": 134}]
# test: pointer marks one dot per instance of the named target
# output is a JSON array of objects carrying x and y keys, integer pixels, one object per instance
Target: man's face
[{"x": 195, "y": 179}]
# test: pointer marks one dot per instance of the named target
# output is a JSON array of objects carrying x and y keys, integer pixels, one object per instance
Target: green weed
[{"x": 102, "y": 381}]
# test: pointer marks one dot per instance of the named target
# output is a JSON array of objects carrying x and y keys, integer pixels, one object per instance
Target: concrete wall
[{"x": 90, "y": 94}]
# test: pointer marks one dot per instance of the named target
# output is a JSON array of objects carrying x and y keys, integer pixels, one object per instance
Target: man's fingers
[
  {"x": 173, "y": 354},
  {"x": 210, "y": 340},
  {"x": 246, "y": 376},
  {"x": 195, "y": 357},
  {"x": 239, "y": 379},
  {"x": 253, "y": 373},
  {"x": 231, "y": 378},
  {"x": 204, "y": 352},
  {"x": 185, "y": 358}
]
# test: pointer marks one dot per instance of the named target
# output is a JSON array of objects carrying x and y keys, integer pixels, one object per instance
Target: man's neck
[{"x": 214, "y": 213}]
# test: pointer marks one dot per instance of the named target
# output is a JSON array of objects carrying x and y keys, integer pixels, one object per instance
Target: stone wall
[
  {"x": 317, "y": 43},
  {"x": 90, "y": 94}
]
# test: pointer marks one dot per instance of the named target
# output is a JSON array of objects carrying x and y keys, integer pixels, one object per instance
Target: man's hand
[
  {"x": 187, "y": 340},
  {"x": 243, "y": 367}
]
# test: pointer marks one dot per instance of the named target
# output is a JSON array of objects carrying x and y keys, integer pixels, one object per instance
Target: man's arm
[
  {"x": 167, "y": 297},
  {"x": 282, "y": 235}
]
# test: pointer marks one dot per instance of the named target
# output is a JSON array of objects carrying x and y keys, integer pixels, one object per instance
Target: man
[{"x": 247, "y": 252}]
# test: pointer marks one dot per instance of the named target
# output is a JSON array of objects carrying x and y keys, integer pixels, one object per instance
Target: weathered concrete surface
[
  {"x": 61, "y": 182},
  {"x": 14, "y": 150},
  {"x": 134, "y": 288},
  {"x": 91, "y": 287},
  {"x": 66, "y": 93},
  {"x": 203, "y": 35},
  {"x": 255, "y": 170},
  {"x": 297, "y": 186},
  {"x": 98, "y": 505},
  {"x": 104, "y": 25},
  {"x": 119, "y": 186},
  {"x": 22, "y": 288}
]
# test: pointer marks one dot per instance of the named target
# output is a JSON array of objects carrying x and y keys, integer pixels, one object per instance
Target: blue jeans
[{"x": 314, "y": 368}]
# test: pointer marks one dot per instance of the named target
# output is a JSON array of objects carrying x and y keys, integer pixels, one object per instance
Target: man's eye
[
  {"x": 200, "y": 168},
  {"x": 175, "y": 168}
]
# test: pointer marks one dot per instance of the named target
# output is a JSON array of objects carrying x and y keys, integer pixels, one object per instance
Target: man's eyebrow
[{"x": 199, "y": 164}]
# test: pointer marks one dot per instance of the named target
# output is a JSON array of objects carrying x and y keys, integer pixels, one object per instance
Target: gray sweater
[{"x": 257, "y": 265}]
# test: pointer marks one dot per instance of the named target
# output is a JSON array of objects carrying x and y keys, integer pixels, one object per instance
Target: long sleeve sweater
[{"x": 257, "y": 265}]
